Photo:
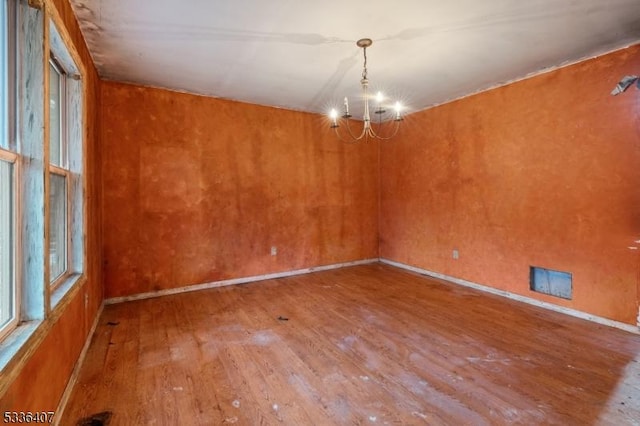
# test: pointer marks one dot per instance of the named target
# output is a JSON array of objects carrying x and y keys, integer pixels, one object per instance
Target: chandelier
[{"x": 385, "y": 127}]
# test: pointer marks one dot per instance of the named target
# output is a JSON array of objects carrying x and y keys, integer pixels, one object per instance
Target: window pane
[
  {"x": 4, "y": 61},
  {"x": 7, "y": 291},
  {"x": 58, "y": 225},
  {"x": 55, "y": 118}
]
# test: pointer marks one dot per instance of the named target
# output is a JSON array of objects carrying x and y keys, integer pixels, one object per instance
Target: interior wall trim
[
  {"x": 234, "y": 281},
  {"x": 57, "y": 418},
  {"x": 550, "y": 306}
]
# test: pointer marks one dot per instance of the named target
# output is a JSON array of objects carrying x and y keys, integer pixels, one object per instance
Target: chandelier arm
[
  {"x": 379, "y": 125},
  {"x": 391, "y": 136},
  {"x": 349, "y": 141},
  {"x": 354, "y": 137},
  {"x": 375, "y": 127}
]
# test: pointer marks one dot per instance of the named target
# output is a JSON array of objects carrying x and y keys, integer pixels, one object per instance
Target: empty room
[{"x": 320, "y": 213}]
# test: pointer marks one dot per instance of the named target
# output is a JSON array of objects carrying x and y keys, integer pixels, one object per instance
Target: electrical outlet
[
  {"x": 455, "y": 254},
  {"x": 274, "y": 250}
]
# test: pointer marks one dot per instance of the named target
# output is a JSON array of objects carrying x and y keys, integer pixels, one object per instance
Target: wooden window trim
[{"x": 8, "y": 156}]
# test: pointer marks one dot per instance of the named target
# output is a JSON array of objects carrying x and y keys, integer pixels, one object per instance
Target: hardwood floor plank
[{"x": 369, "y": 344}]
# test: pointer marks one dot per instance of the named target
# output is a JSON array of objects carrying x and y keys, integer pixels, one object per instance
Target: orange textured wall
[
  {"x": 542, "y": 172},
  {"x": 44, "y": 375},
  {"x": 198, "y": 189}
]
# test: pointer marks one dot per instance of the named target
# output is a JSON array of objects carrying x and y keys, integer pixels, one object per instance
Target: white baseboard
[
  {"x": 76, "y": 370},
  {"x": 568, "y": 311},
  {"x": 550, "y": 306},
  {"x": 234, "y": 281}
]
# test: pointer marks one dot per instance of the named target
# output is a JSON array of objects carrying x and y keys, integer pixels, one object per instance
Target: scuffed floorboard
[{"x": 367, "y": 344}]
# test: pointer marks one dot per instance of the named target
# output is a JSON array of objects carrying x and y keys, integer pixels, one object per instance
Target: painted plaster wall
[
  {"x": 198, "y": 189},
  {"x": 42, "y": 378},
  {"x": 46, "y": 374},
  {"x": 542, "y": 172}
]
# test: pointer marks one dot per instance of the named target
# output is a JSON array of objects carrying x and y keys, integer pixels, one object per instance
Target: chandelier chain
[{"x": 364, "y": 70}]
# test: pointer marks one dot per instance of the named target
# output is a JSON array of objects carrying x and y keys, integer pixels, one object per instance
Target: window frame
[
  {"x": 61, "y": 169},
  {"x": 64, "y": 60},
  {"x": 10, "y": 154},
  {"x": 54, "y": 282},
  {"x": 63, "y": 118},
  {"x": 36, "y": 36},
  {"x": 13, "y": 159}
]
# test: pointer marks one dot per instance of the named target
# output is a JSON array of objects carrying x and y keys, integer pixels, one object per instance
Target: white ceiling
[{"x": 302, "y": 55}]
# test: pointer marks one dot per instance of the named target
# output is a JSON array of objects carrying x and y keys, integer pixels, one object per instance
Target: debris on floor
[{"x": 98, "y": 419}]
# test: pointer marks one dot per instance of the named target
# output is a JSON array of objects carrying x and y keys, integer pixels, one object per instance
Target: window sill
[
  {"x": 15, "y": 341},
  {"x": 19, "y": 345},
  {"x": 63, "y": 288}
]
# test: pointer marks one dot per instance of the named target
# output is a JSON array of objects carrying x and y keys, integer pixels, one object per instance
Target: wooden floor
[{"x": 362, "y": 345}]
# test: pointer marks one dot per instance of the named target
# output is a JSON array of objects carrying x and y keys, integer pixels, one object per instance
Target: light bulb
[
  {"x": 334, "y": 117},
  {"x": 379, "y": 97},
  {"x": 398, "y": 108}
]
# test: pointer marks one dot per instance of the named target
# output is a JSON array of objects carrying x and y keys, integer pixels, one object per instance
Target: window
[
  {"x": 58, "y": 173},
  {"x": 9, "y": 314},
  {"x": 41, "y": 172},
  {"x": 65, "y": 219},
  {"x": 8, "y": 291}
]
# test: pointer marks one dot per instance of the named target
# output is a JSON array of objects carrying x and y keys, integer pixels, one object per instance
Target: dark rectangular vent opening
[{"x": 548, "y": 281}]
